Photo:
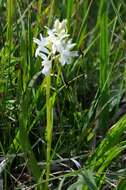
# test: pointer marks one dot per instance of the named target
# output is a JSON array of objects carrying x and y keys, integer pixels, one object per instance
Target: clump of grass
[{"x": 77, "y": 105}]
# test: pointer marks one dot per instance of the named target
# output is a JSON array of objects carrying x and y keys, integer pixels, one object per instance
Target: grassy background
[{"x": 88, "y": 137}]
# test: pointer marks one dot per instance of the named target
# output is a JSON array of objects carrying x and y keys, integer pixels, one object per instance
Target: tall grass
[
  {"x": 104, "y": 63},
  {"x": 67, "y": 130}
]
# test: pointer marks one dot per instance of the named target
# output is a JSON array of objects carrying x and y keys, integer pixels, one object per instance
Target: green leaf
[{"x": 85, "y": 181}]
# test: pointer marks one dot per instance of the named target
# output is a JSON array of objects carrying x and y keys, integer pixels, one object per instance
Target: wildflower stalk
[
  {"x": 55, "y": 47},
  {"x": 48, "y": 127}
]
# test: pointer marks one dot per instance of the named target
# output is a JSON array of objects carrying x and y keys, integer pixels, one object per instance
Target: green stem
[{"x": 48, "y": 127}]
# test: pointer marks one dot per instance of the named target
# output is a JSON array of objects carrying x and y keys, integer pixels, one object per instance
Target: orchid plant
[{"x": 56, "y": 47}]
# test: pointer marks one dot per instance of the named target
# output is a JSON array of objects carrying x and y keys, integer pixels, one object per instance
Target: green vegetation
[{"x": 66, "y": 130}]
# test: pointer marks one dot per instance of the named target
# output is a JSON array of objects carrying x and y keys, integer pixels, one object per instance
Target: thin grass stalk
[
  {"x": 51, "y": 13},
  {"x": 118, "y": 15},
  {"x": 81, "y": 34},
  {"x": 104, "y": 65},
  {"x": 25, "y": 144},
  {"x": 10, "y": 4},
  {"x": 9, "y": 39},
  {"x": 70, "y": 4},
  {"x": 6, "y": 67},
  {"x": 24, "y": 139},
  {"x": 48, "y": 127},
  {"x": 39, "y": 18},
  {"x": 40, "y": 2},
  {"x": 30, "y": 58}
]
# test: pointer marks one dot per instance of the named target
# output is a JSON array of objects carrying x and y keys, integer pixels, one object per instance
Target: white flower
[
  {"x": 47, "y": 64},
  {"x": 60, "y": 27},
  {"x": 41, "y": 45},
  {"x": 56, "y": 45},
  {"x": 53, "y": 40},
  {"x": 66, "y": 56}
]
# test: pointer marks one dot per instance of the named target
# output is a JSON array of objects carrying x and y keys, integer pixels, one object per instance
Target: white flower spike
[{"x": 56, "y": 44}]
